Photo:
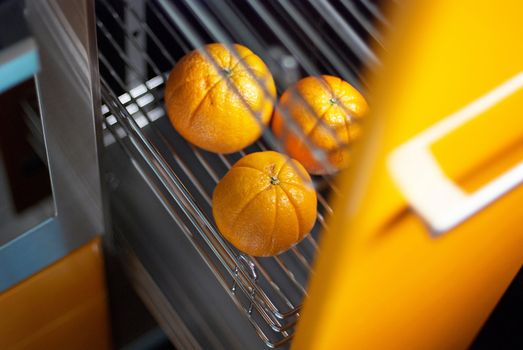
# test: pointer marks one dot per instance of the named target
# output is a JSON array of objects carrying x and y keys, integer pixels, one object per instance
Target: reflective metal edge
[{"x": 68, "y": 90}]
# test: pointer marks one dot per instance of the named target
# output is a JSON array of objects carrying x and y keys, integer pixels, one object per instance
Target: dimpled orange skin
[
  {"x": 337, "y": 104},
  {"x": 265, "y": 204},
  {"x": 204, "y": 107}
]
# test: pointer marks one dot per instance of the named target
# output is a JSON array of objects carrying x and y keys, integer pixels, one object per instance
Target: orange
[
  {"x": 220, "y": 107},
  {"x": 328, "y": 120},
  {"x": 265, "y": 203}
]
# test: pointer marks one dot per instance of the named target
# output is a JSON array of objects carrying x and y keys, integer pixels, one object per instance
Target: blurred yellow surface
[
  {"x": 61, "y": 307},
  {"x": 382, "y": 280}
]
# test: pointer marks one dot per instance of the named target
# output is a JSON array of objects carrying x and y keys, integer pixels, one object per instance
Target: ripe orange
[
  {"x": 265, "y": 203},
  {"x": 333, "y": 101},
  {"x": 204, "y": 106}
]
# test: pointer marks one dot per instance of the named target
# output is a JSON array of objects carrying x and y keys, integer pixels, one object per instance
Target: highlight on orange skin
[
  {"x": 220, "y": 105},
  {"x": 327, "y": 111},
  {"x": 265, "y": 204}
]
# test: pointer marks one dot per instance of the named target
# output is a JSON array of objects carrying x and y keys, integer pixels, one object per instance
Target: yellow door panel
[
  {"x": 384, "y": 279},
  {"x": 61, "y": 307}
]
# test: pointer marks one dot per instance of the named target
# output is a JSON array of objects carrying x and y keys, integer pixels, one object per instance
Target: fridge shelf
[{"x": 269, "y": 291}]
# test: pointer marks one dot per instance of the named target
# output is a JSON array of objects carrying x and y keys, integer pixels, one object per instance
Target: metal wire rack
[{"x": 140, "y": 42}]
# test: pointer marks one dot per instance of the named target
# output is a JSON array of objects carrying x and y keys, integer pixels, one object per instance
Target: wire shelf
[{"x": 140, "y": 42}]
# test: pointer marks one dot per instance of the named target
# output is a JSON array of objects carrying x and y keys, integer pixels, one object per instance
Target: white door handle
[{"x": 440, "y": 202}]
